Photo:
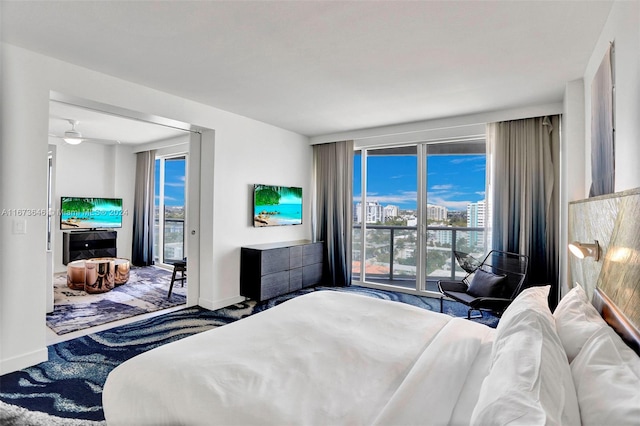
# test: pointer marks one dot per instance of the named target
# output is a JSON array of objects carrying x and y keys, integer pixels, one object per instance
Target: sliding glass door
[
  {"x": 168, "y": 235},
  {"x": 386, "y": 219},
  {"x": 414, "y": 206}
]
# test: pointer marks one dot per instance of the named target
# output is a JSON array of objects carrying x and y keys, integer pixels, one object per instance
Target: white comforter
[{"x": 326, "y": 358}]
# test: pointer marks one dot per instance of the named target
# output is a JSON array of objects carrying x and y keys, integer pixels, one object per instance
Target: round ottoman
[
  {"x": 99, "y": 276},
  {"x": 76, "y": 275},
  {"x": 123, "y": 266}
]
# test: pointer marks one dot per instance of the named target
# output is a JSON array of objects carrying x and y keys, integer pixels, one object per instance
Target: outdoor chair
[{"x": 490, "y": 285}]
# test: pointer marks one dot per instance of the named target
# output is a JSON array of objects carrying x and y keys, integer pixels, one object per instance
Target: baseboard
[
  {"x": 23, "y": 361},
  {"x": 217, "y": 304}
]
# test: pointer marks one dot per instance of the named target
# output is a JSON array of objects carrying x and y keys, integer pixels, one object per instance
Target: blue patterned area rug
[
  {"x": 67, "y": 389},
  {"x": 146, "y": 291}
]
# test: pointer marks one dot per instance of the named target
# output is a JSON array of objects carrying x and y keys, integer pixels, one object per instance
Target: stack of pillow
[
  {"x": 565, "y": 368},
  {"x": 606, "y": 372},
  {"x": 529, "y": 382}
]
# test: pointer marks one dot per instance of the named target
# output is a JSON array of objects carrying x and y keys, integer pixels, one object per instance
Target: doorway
[{"x": 105, "y": 167}]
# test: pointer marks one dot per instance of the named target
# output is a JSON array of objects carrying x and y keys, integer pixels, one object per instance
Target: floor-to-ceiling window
[
  {"x": 168, "y": 235},
  {"x": 413, "y": 207}
]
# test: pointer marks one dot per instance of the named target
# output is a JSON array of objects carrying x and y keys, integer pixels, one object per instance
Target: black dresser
[
  {"x": 87, "y": 244},
  {"x": 269, "y": 270}
]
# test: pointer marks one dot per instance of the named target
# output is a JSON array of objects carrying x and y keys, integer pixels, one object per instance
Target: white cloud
[
  {"x": 449, "y": 204},
  {"x": 442, "y": 187},
  {"x": 467, "y": 159},
  {"x": 399, "y": 198}
]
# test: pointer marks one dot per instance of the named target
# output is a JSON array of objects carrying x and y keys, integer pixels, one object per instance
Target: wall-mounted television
[
  {"x": 277, "y": 205},
  {"x": 90, "y": 213}
]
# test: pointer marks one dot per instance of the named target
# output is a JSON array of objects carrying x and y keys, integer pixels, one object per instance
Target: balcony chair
[
  {"x": 178, "y": 266},
  {"x": 489, "y": 286}
]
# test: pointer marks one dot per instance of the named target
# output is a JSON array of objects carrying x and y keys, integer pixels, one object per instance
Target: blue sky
[
  {"x": 174, "y": 176},
  {"x": 453, "y": 181}
]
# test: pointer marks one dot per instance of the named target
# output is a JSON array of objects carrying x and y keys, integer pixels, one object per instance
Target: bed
[
  {"x": 335, "y": 358},
  {"x": 338, "y": 358}
]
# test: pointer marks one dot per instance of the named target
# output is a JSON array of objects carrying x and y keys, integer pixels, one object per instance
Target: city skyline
[{"x": 453, "y": 181}]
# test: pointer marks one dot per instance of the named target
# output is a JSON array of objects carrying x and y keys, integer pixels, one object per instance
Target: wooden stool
[{"x": 179, "y": 266}]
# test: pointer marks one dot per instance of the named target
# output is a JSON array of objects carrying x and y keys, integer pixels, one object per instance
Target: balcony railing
[
  {"x": 391, "y": 253},
  {"x": 173, "y": 240}
]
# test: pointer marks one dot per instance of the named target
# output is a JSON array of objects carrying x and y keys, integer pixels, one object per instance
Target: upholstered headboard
[{"x": 614, "y": 221}]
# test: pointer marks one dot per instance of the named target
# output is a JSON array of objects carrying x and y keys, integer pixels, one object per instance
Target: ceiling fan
[{"x": 74, "y": 137}]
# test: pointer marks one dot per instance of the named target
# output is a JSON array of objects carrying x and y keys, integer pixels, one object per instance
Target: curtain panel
[
  {"x": 143, "y": 209},
  {"x": 332, "y": 212},
  {"x": 524, "y": 191}
]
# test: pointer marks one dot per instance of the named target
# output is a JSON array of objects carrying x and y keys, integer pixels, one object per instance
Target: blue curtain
[
  {"x": 524, "y": 191},
  {"x": 143, "y": 209},
  {"x": 332, "y": 213}
]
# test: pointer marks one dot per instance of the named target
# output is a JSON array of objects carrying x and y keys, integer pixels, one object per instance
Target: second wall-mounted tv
[
  {"x": 90, "y": 213},
  {"x": 277, "y": 205}
]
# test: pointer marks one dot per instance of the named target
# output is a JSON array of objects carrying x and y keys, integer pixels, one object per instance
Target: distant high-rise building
[
  {"x": 374, "y": 212},
  {"x": 437, "y": 213},
  {"x": 476, "y": 219},
  {"x": 391, "y": 211},
  {"x": 476, "y": 214},
  {"x": 442, "y": 236}
]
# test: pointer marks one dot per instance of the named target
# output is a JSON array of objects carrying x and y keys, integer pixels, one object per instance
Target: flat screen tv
[
  {"x": 90, "y": 213},
  {"x": 277, "y": 205}
]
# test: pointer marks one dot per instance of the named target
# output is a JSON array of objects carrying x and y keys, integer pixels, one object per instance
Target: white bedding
[{"x": 322, "y": 358}]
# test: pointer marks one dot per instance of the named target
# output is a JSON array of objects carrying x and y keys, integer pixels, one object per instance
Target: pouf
[
  {"x": 99, "y": 276},
  {"x": 76, "y": 275},
  {"x": 123, "y": 266}
]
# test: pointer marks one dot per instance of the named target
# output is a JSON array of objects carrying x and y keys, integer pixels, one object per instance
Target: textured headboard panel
[{"x": 613, "y": 220}]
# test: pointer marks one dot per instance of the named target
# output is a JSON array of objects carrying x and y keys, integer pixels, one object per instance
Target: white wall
[
  {"x": 244, "y": 152},
  {"x": 95, "y": 170},
  {"x": 572, "y": 150},
  {"x": 622, "y": 28}
]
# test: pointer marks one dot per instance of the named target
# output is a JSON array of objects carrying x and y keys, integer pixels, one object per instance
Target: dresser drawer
[
  {"x": 311, "y": 275},
  {"x": 295, "y": 257},
  {"x": 295, "y": 279},
  {"x": 275, "y": 260},
  {"x": 312, "y": 253},
  {"x": 272, "y": 285}
]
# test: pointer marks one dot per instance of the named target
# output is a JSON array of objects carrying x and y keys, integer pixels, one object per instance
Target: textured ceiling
[{"x": 323, "y": 67}]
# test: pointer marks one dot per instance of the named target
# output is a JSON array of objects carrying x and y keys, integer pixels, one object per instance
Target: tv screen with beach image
[
  {"x": 90, "y": 213},
  {"x": 277, "y": 205}
]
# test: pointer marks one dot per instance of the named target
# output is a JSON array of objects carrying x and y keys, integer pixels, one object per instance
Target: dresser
[
  {"x": 269, "y": 270},
  {"x": 87, "y": 244}
]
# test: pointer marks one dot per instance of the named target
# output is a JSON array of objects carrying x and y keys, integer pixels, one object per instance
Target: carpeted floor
[
  {"x": 146, "y": 291},
  {"x": 67, "y": 389}
]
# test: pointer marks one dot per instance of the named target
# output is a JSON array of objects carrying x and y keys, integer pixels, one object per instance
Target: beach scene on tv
[
  {"x": 90, "y": 213},
  {"x": 277, "y": 205}
]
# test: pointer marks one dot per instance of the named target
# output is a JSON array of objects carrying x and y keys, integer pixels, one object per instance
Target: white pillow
[
  {"x": 532, "y": 298},
  {"x": 576, "y": 321},
  {"x": 607, "y": 378},
  {"x": 530, "y": 380}
]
